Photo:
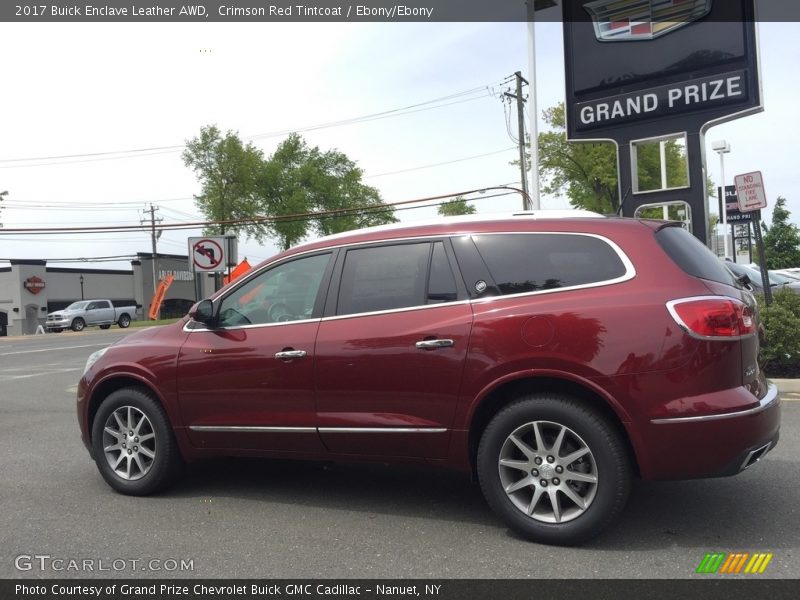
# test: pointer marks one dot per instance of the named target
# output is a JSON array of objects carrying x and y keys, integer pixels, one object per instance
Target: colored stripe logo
[{"x": 735, "y": 563}]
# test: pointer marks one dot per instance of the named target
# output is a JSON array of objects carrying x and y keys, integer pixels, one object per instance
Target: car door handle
[
  {"x": 433, "y": 344},
  {"x": 289, "y": 354}
]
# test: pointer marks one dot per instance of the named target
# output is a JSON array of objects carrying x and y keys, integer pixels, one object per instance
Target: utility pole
[
  {"x": 153, "y": 237},
  {"x": 526, "y": 199}
]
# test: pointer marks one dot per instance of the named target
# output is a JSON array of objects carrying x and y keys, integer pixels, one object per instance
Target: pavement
[{"x": 789, "y": 386}]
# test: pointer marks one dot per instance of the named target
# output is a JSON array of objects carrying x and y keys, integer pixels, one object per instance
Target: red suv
[{"x": 555, "y": 358}]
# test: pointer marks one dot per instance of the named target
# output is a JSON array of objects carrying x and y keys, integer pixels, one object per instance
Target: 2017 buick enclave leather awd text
[{"x": 555, "y": 358}]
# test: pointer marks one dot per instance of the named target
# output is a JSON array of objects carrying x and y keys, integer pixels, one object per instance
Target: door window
[
  {"x": 384, "y": 278},
  {"x": 287, "y": 292},
  {"x": 534, "y": 262}
]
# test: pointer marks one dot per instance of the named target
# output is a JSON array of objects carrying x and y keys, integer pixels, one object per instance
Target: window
[
  {"x": 691, "y": 255},
  {"x": 442, "y": 284},
  {"x": 284, "y": 293},
  {"x": 535, "y": 262},
  {"x": 384, "y": 278}
]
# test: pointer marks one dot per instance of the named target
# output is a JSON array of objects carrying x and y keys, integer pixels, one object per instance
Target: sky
[{"x": 97, "y": 90}]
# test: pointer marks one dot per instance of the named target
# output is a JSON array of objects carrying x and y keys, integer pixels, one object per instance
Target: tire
[
  {"x": 124, "y": 321},
  {"x": 548, "y": 446},
  {"x": 78, "y": 324},
  {"x": 104, "y": 326},
  {"x": 148, "y": 464}
]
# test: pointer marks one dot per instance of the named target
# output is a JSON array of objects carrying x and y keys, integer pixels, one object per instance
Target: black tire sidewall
[
  {"x": 167, "y": 457},
  {"x": 75, "y": 324},
  {"x": 124, "y": 321},
  {"x": 614, "y": 472}
]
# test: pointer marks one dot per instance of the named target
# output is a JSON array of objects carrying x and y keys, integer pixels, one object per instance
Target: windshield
[
  {"x": 755, "y": 275},
  {"x": 77, "y": 305},
  {"x": 780, "y": 278}
]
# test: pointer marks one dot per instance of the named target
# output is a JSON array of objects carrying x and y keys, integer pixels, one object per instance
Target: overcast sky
[{"x": 100, "y": 88}]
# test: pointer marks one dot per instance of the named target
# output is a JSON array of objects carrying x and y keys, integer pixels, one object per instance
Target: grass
[{"x": 149, "y": 323}]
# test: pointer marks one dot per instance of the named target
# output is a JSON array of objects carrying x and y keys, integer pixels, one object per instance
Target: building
[{"x": 29, "y": 289}]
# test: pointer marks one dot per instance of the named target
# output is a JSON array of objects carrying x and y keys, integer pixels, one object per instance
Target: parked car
[
  {"x": 555, "y": 358},
  {"x": 754, "y": 279},
  {"x": 87, "y": 313}
]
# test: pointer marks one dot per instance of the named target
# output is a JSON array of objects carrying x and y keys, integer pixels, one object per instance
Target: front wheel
[
  {"x": 124, "y": 321},
  {"x": 133, "y": 443},
  {"x": 78, "y": 324},
  {"x": 555, "y": 470}
]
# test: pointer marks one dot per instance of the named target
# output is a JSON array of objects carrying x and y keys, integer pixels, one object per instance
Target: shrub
[{"x": 780, "y": 352}]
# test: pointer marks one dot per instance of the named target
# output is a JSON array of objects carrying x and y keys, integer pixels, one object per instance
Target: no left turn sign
[{"x": 208, "y": 254}]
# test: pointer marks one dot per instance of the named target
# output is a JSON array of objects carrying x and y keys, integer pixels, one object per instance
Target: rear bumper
[{"x": 712, "y": 445}]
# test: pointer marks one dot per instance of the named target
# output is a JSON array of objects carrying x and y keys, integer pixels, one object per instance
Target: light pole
[
  {"x": 722, "y": 148},
  {"x": 81, "y": 280}
]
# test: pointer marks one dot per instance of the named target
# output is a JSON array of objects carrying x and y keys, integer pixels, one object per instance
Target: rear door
[{"x": 391, "y": 351}]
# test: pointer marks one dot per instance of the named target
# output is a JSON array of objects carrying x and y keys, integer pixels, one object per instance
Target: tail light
[{"x": 713, "y": 317}]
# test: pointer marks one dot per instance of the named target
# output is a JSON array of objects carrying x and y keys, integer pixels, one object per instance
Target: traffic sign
[
  {"x": 750, "y": 191},
  {"x": 208, "y": 254}
]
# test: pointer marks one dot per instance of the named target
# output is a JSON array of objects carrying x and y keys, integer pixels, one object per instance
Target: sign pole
[{"x": 761, "y": 260}]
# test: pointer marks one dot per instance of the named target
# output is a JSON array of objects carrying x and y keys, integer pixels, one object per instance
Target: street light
[
  {"x": 81, "y": 280},
  {"x": 722, "y": 148}
]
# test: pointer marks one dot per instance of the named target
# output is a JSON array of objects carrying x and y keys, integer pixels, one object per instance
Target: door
[
  {"x": 247, "y": 383},
  {"x": 102, "y": 312},
  {"x": 389, "y": 359}
]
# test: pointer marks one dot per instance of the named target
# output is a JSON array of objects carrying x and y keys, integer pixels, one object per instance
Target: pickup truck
[{"x": 85, "y": 313}]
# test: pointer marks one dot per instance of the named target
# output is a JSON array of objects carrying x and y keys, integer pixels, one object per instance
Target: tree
[
  {"x": 289, "y": 187},
  {"x": 782, "y": 239},
  {"x": 458, "y": 206},
  {"x": 228, "y": 171},
  {"x": 298, "y": 179},
  {"x": 587, "y": 172}
]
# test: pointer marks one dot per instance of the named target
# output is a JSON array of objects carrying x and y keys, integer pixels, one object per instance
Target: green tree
[
  {"x": 298, "y": 179},
  {"x": 455, "y": 207},
  {"x": 782, "y": 239},
  {"x": 587, "y": 172},
  {"x": 228, "y": 172}
]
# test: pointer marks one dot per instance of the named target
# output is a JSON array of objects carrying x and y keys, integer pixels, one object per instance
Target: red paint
[{"x": 617, "y": 343}]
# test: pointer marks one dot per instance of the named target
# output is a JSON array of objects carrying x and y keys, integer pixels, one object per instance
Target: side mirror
[{"x": 203, "y": 311}]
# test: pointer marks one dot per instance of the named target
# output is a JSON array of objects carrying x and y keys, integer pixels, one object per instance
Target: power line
[
  {"x": 441, "y": 102},
  {"x": 440, "y": 164},
  {"x": 251, "y": 220}
]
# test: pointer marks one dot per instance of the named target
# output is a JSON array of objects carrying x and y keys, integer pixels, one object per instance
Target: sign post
[{"x": 751, "y": 198}]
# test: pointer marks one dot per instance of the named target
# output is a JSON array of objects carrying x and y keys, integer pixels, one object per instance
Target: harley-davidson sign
[{"x": 33, "y": 284}]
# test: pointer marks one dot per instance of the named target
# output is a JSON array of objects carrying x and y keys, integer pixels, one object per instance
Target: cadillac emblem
[
  {"x": 33, "y": 284},
  {"x": 629, "y": 20}
]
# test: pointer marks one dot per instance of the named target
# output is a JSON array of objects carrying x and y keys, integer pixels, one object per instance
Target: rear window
[
  {"x": 533, "y": 262},
  {"x": 691, "y": 255}
]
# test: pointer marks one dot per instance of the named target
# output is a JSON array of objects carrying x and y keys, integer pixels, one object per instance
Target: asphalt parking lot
[{"x": 275, "y": 519}]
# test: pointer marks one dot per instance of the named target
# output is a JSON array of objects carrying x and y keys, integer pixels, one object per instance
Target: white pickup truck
[{"x": 86, "y": 313}]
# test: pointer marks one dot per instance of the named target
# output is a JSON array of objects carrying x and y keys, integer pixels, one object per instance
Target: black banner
[
  {"x": 707, "y": 588},
  {"x": 278, "y": 11}
]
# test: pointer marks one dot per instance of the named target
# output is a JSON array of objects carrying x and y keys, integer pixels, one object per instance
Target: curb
[{"x": 791, "y": 386}]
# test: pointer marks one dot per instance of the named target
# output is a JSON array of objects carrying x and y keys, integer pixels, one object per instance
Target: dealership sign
[
  {"x": 644, "y": 61},
  {"x": 729, "y": 88},
  {"x": 616, "y": 21},
  {"x": 33, "y": 284}
]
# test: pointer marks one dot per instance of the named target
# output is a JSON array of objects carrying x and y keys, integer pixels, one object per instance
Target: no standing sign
[{"x": 750, "y": 191}]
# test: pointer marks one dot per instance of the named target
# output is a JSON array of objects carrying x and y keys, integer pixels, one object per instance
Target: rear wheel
[
  {"x": 133, "y": 443},
  {"x": 78, "y": 324},
  {"x": 124, "y": 321},
  {"x": 556, "y": 471}
]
